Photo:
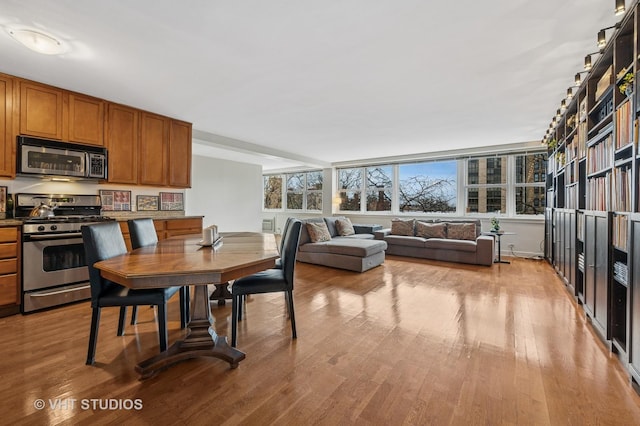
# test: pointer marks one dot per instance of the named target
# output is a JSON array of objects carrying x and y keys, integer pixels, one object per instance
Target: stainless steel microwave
[{"x": 43, "y": 157}]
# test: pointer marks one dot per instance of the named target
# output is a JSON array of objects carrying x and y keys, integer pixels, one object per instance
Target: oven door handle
[
  {"x": 51, "y": 293},
  {"x": 63, "y": 236}
]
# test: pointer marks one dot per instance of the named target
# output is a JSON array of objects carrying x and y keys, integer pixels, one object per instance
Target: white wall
[{"x": 228, "y": 194}]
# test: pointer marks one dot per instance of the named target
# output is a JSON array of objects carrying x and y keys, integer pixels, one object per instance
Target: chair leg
[
  {"x": 241, "y": 302},
  {"x": 123, "y": 317},
  {"x": 163, "y": 333},
  {"x": 292, "y": 315},
  {"x": 134, "y": 315},
  {"x": 93, "y": 336},
  {"x": 235, "y": 301},
  {"x": 184, "y": 306}
]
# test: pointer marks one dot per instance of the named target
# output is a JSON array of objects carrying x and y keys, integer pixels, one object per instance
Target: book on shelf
[
  {"x": 600, "y": 155},
  {"x": 621, "y": 183},
  {"x": 623, "y": 124},
  {"x": 598, "y": 189},
  {"x": 582, "y": 139},
  {"x": 620, "y": 231},
  {"x": 621, "y": 272}
]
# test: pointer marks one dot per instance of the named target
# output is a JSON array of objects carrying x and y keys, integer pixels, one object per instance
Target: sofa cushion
[
  {"x": 318, "y": 232},
  {"x": 402, "y": 240},
  {"x": 344, "y": 227},
  {"x": 431, "y": 230},
  {"x": 442, "y": 244},
  {"x": 403, "y": 227},
  {"x": 461, "y": 231},
  {"x": 356, "y": 236},
  {"x": 356, "y": 247},
  {"x": 304, "y": 235},
  {"x": 331, "y": 224}
]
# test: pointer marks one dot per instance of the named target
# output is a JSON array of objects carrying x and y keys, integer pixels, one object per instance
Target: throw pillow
[
  {"x": 461, "y": 231},
  {"x": 431, "y": 230},
  {"x": 318, "y": 232},
  {"x": 344, "y": 227},
  {"x": 402, "y": 227}
]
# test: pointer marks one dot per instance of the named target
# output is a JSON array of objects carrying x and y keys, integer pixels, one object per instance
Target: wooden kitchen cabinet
[
  {"x": 180, "y": 154},
  {"x": 153, "y": 149},
  {"x": 86, "y": 119},
  {"x": 9, "y": 271},
  {"x": 41, "y": 110},
  {"x": 7, "y": 137},
  {"x": 166, "y": 228},
  {"x": 122, "y": 144}
]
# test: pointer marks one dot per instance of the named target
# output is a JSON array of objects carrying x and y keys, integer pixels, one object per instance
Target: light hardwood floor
[{"x": 410, "y": 342}]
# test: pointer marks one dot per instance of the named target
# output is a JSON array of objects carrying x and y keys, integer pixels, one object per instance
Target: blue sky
[{"x": 442, "y": 169}]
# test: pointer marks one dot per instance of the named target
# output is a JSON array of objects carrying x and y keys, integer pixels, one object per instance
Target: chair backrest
[
  {"x": 101, "y": 241},
  {"x": 142, "y": 232},
  {"x": 287, "y": 224},
  {"x": 290, "y": 250}
]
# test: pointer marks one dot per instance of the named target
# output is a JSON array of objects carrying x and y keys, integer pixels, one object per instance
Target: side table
[{"x": 498, "y": 237}]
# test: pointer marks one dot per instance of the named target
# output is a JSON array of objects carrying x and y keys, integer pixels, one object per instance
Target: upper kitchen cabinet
[
  {"x": 7, "y": 137},
  {"x": 86, "y": 120},
  {"x": 41, "y": 110},
  {"x": 122, "y": 143},
  {"x": 153, "y": 151},
  {"x": 180, "y": 154}
]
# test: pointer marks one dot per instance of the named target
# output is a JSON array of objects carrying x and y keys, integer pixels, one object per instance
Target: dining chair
[
  {"x": 282, "y": 237},
  {"x": 103, "y": 241},
  {"x": 269, "y": 281},
  {"x": 143, "y": 233}
]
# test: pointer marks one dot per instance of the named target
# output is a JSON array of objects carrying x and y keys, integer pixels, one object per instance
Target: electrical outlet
[{"x": 511, "y": 246}]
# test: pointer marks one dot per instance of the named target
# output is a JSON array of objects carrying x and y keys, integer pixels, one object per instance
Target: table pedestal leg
[
  {"x": 221, "y": 294},
  {"x": 201, "y": 340}
]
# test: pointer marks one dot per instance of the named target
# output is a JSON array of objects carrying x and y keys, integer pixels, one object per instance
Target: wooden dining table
[{"x": 181, "y": 260}]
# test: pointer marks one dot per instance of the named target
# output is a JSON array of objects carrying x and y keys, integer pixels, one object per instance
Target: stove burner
[{"x": 68, "y": 219}]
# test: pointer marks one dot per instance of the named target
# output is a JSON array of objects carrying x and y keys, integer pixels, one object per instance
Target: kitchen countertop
[{"x": 10, "y": 222}]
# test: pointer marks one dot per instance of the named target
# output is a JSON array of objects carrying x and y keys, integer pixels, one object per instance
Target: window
[
  {"x": 379, "y": 188},
  {"x": 314, "y": 191},
  {"x": 530, "y": 183},
  {"x": 295, "y": 191},
  {"x": 272, "y": 191},
  {"x": 350, "y": 187},
  {"x": 303, "y": 191},
  {"x": 428, "y": 187},
  {"x": 487, "y": 184}
]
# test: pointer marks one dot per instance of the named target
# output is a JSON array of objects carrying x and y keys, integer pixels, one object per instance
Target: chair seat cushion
[
  {"x": 271, "y": 280},
  {"x": 114, "y": 295}
]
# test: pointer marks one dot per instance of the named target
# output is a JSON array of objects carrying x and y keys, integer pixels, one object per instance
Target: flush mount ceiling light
[{"x": 38, "y": 41}]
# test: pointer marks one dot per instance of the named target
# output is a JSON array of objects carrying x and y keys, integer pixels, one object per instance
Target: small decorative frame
[
  {"x": 3, "y": 199},
  {"x": 147, "y": 202},
  {"x": 115, "y": 200},
  {"x": 171, "y": 201}
]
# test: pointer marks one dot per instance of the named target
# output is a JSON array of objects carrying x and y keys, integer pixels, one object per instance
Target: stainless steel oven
[{"x": 54, "y": 270}]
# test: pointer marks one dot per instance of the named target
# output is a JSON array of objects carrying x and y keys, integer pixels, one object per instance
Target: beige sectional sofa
[
  {"x": 358, "y": 252},
  {"x": 449, "y": 240}
]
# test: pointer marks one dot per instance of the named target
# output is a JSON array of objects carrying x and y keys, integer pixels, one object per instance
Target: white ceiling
[{"x": 318, "y": 82}]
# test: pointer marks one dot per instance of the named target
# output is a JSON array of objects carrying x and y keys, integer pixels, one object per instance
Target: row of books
[
  {"x": 571, "y": 197},
  {"x": 621, "y": 272},
  {"x": 581, "y": 261},
  {"x": 600, "y": 155},
  {"x": 620, "y": 231},
  {"x": 621, "y": 185},
  {"x": 623, "y": 124},
  {"x": 598, "y": 193}
]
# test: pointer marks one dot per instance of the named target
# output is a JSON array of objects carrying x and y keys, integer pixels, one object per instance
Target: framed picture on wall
[
  {"x": 171, "y": 201},
  {"x": 147, "y": 203},
  {"x": 115, "y": 200}
]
